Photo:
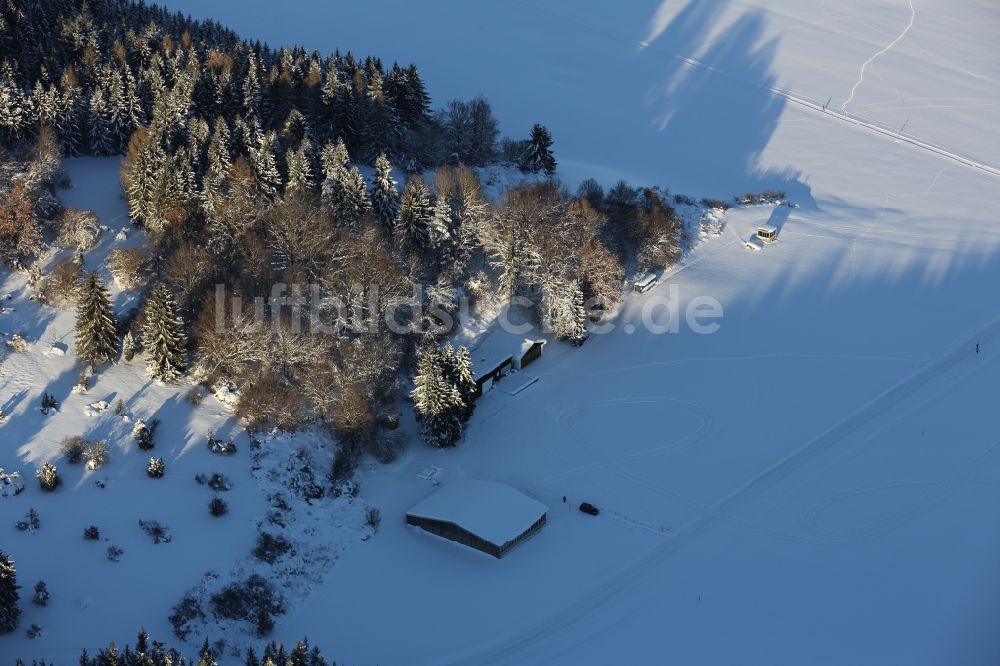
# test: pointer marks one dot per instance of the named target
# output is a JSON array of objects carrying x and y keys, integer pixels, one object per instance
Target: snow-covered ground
[{"x": 817, "y": 482}]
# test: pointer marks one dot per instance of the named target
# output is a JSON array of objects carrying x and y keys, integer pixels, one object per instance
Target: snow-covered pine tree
[
  {"x": 440, "y": 239},
  {"x": 438, "y": 403},
  {"x": 265, "y": 166},
  {"x": 99, "y": 124},
  {"x": 96, "y": 333},
  {"x": 10, "y": 612},
  {"x": 14, "y": 114},
  {"x": 384, "y": 193},
  {"x": 415, "y": 213},
  {"x": 539, "y": 156},
  {"x": 163, "y": 337},
  {"x": 219, "y": 160},
  {"x": 70, "y": 119},
  {"x": 465, "y": 381},
  {"x": 128, "y": 347},
  {"x": 343, "y": 189},
  {"x": 299, "y": 173}
]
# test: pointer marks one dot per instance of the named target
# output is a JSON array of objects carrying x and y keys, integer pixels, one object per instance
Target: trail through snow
[{"x": 885, "y": 49}]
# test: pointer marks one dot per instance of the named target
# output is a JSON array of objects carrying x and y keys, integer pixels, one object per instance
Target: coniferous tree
[
  {"x": 10, "y": 612},
  {"x": 343, "y": 189},
  {"x": 438, "y": 403},
  {"x": 465, "y": 381},
  {"x": 100, "y": 125},
  {"x": 539, "y": 156},
  {"x": 439, "y": 231},
  {"x": 415, "y": 214},
  {"x": 96, "y": 333},
  {"x": 14, "y": 116},
  {"x": 128, "y": 347},
  {"x": 384, "y": 194},
  {"x": 163, "y": 337}
]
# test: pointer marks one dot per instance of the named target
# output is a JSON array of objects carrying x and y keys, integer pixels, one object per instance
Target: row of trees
[{"x": 164, "y": 336}]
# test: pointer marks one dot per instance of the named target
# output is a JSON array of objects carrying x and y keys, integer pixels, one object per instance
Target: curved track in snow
[
  {"x": 508, "y": 650},
  {"x": 885, "y": 49}
]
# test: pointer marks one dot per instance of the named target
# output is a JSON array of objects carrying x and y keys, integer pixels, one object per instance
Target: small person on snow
[{"x": 977, "y": 347}]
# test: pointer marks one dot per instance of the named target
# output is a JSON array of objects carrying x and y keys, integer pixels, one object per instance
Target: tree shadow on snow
[{"x": 717, "y": 117}]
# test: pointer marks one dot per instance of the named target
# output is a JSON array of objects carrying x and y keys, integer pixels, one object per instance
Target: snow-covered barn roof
[
  {"x": 767, "y": 228},
  {"x": 492, "y": 511},
  {"x": 496, "y": 347}
]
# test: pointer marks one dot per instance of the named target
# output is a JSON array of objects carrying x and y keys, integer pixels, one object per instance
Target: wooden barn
[
  {"x": 485, "y": 515},
  {"x": 529, "y": 352}
]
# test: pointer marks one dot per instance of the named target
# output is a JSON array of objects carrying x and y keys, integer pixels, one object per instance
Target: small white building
[
  {"x": 485, "y": 515},
  {"x": 767, "y": 233}
]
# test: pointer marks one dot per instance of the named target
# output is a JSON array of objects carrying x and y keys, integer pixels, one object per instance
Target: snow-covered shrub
[
  {"x": 270, "y": 547},
  {"x": 155, "y": 468},
  {"x": 41, "y": 596},
  {"x": 115, "y": 553},
  {"x": 128, "y": 267},
  {"x": 73, "y": 448},
  {"x": 10, "y": 483},
  {"x": 144, "y": 433},
  {"x": 79, "y": 229},
  {"x": 196, "y": 395},
  {"x": 49, "y": 403},
  {"x": 222, "y": 447},
  {"x": 91, "y": 533},
  {"x": 218, "y": 507},
  {"x": 187, "y": 610},
  {"x": 30, "y": 523},
  {"x": 34, "y": 631},
  {"x": 96, "y": 455},
  {"x": 253, "y": 600},
  {"x": 219, "y": 482},
  {"x": 157, "y": 532},
  {"x": 48, "y": 476},
  {"x": 83, "y": 384},
  {"x": 62, "y": 283},
  {"x": 17, "y": 343},
  {"x": 373, "y": 518}
]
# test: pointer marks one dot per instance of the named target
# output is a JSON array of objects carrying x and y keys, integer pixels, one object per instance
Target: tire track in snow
[{"x": 861, "y": 74}]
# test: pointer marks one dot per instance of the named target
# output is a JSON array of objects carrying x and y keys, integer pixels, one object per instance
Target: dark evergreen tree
[
  {"x": 163, "y": 337},
  {"x": 10, "y": 612},
  {"x": 415, "y": 214},
  {"x": 96, "y": 331},
  {"x": 539, "y": 157}
]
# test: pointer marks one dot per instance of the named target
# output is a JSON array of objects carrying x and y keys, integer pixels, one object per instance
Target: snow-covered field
[{"x": 817, "y": 482}]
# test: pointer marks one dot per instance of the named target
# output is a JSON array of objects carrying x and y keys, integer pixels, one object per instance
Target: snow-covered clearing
[{"x": 817, "y": 482}]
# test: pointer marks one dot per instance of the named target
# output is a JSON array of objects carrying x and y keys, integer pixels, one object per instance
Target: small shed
[
  {"x": 767, "y": 233},
  {"x": 528, "y": 352},
  {"x": 645, "y": 283},
  {"x": 485, "y": 515}
]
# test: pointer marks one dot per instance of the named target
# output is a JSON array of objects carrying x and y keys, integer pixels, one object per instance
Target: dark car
[{"x": 587, "y": 507}]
